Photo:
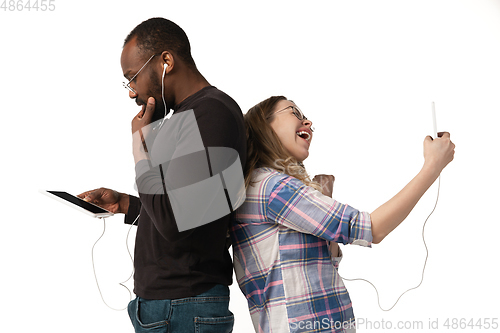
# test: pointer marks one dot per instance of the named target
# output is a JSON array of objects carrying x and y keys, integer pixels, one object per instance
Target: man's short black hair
[{"x": 159, "y": 34}]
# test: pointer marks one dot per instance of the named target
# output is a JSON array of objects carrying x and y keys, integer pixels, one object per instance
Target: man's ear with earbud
[
  {"x": 164, "y": 70},
  {"x": 168, "y": 61}
]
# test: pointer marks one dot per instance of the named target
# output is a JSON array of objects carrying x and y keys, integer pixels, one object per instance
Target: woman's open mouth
[{"x": 304, "y": 135}]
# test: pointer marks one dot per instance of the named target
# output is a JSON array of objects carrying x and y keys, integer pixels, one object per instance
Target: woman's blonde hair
[{"x": 264, "y": 148}]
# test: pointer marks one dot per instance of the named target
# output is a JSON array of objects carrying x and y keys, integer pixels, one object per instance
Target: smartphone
[
  {"x": 434, "y": 123},
  {"x": 77, "y": 203}
]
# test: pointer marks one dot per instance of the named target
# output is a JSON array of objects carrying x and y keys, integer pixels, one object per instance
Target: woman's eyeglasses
[{"x": 296, "y": 112}]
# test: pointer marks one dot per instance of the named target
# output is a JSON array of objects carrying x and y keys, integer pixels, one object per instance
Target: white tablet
[{"x": 77, "y": 203}]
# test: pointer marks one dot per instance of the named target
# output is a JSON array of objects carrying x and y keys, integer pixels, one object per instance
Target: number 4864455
[{"x": 28, "y": 5}]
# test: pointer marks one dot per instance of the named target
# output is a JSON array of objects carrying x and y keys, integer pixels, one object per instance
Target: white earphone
[
  {"x": 167, "y": 115},
  {"x": 165, "y": 65},
  {"x": 164, "y": 69}
]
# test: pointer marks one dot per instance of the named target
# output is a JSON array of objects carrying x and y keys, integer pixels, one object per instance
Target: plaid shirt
[{"x": 280, "y": 240}]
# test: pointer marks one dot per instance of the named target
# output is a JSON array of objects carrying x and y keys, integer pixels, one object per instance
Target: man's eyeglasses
[{"x": 127, "y": 84}]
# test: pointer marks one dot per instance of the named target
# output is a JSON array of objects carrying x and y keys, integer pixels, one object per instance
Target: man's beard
[{"x": 155, "y": 91}]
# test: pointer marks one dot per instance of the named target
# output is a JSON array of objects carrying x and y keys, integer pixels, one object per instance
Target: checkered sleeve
[{"x": 304, "y": 209}]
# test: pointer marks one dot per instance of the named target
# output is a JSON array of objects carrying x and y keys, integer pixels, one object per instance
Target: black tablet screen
[{"x": 79, "y": 202}]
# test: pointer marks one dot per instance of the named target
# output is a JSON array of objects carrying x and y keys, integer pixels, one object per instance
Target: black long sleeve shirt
[{"x": 172, "y": 264}]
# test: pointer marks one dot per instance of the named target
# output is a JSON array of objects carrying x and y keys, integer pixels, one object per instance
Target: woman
[{"x": 281, "y": 234}]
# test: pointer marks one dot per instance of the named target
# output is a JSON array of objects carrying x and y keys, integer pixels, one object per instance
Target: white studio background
[{"x": 365, "y": 72}]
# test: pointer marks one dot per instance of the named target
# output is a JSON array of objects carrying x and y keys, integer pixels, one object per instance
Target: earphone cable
[
  {"x": 425, "y": 262},
  {"x": 131, "y": 258}
]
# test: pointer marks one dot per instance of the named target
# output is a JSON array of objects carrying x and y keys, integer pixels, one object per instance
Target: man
[{"x": 182, "y": 270}]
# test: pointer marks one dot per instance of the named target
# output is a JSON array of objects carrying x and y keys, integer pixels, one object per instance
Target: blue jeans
[{"x": 205, "y": 313}]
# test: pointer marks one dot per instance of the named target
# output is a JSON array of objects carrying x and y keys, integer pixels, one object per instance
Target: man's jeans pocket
[
  {"x": 148, "y": 319},
  {"x": 214, "y": 324}
]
